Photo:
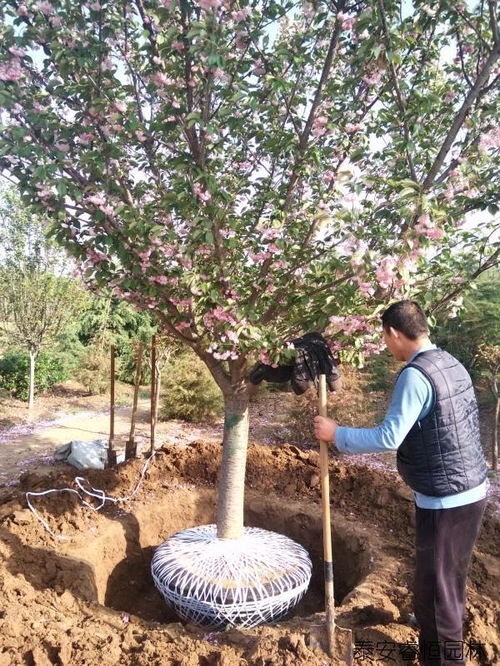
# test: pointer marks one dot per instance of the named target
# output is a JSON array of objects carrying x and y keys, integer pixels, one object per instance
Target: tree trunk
[
  {"x": 494, "y": 452},
  {"x": 232, "y": 473},
  {"x": 111, "y": 449},
  {"x": 31, "y": 393},
  {"x": 158, "y": 389},
  {"x": 131, "y": 449},
  {"x": 153, "y": 393}
]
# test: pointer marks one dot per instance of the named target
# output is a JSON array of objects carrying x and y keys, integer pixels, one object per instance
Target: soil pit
[
  {"x": 90, "y": 600},
  {"x": 128, "y": 568}
]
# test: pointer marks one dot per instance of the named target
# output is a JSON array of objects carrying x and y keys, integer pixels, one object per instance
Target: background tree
[
  {"x": 246, "y": 172},
  {"x": 489, "y": 362},
  {"x": 108, "y": 321},
  {"x": 471, "y": 319},
  {"x": 36, "y": 304}
]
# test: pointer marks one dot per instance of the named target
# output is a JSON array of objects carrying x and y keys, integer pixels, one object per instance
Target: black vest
[{"x": 442, "y": 453}]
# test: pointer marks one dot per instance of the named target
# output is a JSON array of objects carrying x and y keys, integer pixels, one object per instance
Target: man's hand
[{"x": 324, "y": 429}]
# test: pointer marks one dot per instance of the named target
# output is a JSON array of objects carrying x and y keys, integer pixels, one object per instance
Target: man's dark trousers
[{"x": 444, "y": 542}]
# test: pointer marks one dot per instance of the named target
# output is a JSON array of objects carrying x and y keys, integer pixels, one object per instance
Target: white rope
[
  {"x": 90, "y": 491},
  {"x": 221, "y": 583}
]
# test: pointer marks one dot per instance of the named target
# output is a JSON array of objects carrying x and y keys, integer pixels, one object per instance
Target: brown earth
[
  {"x": 89, "y": 600},
  {"x": 85, "y": 597}
]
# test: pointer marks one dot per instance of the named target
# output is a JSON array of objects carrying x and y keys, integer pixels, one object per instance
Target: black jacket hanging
[{"x": 313, "y": 359}]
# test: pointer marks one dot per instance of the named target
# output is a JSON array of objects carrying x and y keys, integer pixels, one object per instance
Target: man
[{"x": 433, "y": 423}]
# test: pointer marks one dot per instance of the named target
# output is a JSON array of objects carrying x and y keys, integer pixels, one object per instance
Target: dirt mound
[{"x": 86, "y": 597}]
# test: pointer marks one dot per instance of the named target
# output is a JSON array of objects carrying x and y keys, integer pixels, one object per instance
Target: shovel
[{"x": 339, "y": 639}]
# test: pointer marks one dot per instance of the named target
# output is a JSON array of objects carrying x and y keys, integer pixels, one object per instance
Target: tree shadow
[
  {"x": 130, "y": 587},
  {"x": 44, "y": 569}
]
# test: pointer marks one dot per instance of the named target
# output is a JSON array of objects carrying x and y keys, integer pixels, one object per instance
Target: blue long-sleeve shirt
[{"x": 412, "y": 400}]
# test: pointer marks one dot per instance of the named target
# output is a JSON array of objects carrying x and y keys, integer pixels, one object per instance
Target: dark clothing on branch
[{"x": 313, "y": 359}]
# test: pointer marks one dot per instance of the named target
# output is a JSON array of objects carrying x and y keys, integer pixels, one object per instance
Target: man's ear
[{"x": 393, "y": 332}]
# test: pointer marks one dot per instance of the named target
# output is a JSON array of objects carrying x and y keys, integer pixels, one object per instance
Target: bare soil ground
[{"x": 85, "y": 597}]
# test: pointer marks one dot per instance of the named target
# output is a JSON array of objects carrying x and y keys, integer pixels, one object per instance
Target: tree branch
[
  {"x": 493, "y": 260},
  {"x": 400, "y": 100},
  {"x": 304, "y": 138},
  {"x": 460, "y": 118},
  {"x": 494, "y": 21}
]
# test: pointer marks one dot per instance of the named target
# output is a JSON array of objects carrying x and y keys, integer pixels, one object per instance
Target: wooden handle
[{"x": 327, "y": 531}]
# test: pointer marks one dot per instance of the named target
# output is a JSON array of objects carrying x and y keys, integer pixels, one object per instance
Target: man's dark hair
[{"x": 407, "y": 317}]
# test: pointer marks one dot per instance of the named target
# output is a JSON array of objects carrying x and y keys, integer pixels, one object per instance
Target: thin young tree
[
  {"x": 489, "y": 363},
  {"x": 36, "y": 301},
  {"x": 249, "y": 171}
]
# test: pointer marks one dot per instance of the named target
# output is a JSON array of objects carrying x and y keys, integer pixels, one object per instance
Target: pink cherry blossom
[
  {"x": 346, "y": 20},
  {"x": 490, "y": 140},
  {"x": 240, "y": 41},
  {"x": 320, "y": 121},
  {"x": 264, "y": 358},
  {"x": 241, "y": 14},
  {"x": 258, "y": 68},
  {"x": 231, "y": 335},
  {"x": 449, "y": 192},
  {"x": 202, "y": 194},
  {"x": 350, "y": 128},
  {"x": 269, "y": 234},
  {"x": 409, "y": 263},
  {"x": 371, "y": 348},
  {"x": 373, "y": 77},
  {"x": 11, "y": 70},
  {"x": 45, "y": 8},
  {"x": 209, "y": 4},
  {"x": 15, "y": 51},
  {"x": 367, "y": 289},
  {"x": 434, "y": 234},
  {"x": 97, "y": 200},
  {"x": 178, "y": 46},
  {"x": 424, "y": 220},
  {"x": 86, "y": 138},
  {"x": 22, "y": 10},
  {"x": 385, "y": 273},
  {"x": 159, "y": 79}
]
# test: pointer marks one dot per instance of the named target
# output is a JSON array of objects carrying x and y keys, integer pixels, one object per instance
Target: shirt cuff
[{"x": 341, "y": 438}]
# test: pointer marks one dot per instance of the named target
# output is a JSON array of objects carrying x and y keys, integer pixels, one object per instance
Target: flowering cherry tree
[{"x": 248, "y": 171}]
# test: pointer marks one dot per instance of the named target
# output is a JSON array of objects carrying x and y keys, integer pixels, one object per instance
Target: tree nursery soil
[{"x": 85, "y": 596}]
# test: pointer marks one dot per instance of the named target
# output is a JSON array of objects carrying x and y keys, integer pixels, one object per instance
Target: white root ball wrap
[{"x": 220, "y": 583}]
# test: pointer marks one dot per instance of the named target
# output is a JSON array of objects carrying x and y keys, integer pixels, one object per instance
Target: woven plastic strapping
[{"x": 220, "y": 583}]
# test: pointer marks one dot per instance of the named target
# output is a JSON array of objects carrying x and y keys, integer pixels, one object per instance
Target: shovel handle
[{"x": 327, "y": 530}]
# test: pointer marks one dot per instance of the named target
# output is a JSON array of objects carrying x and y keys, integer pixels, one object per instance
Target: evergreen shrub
[
  {"x": 15, "y": 372},
  {"x": 189, "y": 391}
]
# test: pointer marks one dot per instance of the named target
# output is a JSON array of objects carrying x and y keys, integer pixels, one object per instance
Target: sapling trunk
[
  {"x": 137, "y": 381},
  {"x": 31, "y": 390},
  {"x": 494, "y": 452},
  {"x": 232, "y": 473}
]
